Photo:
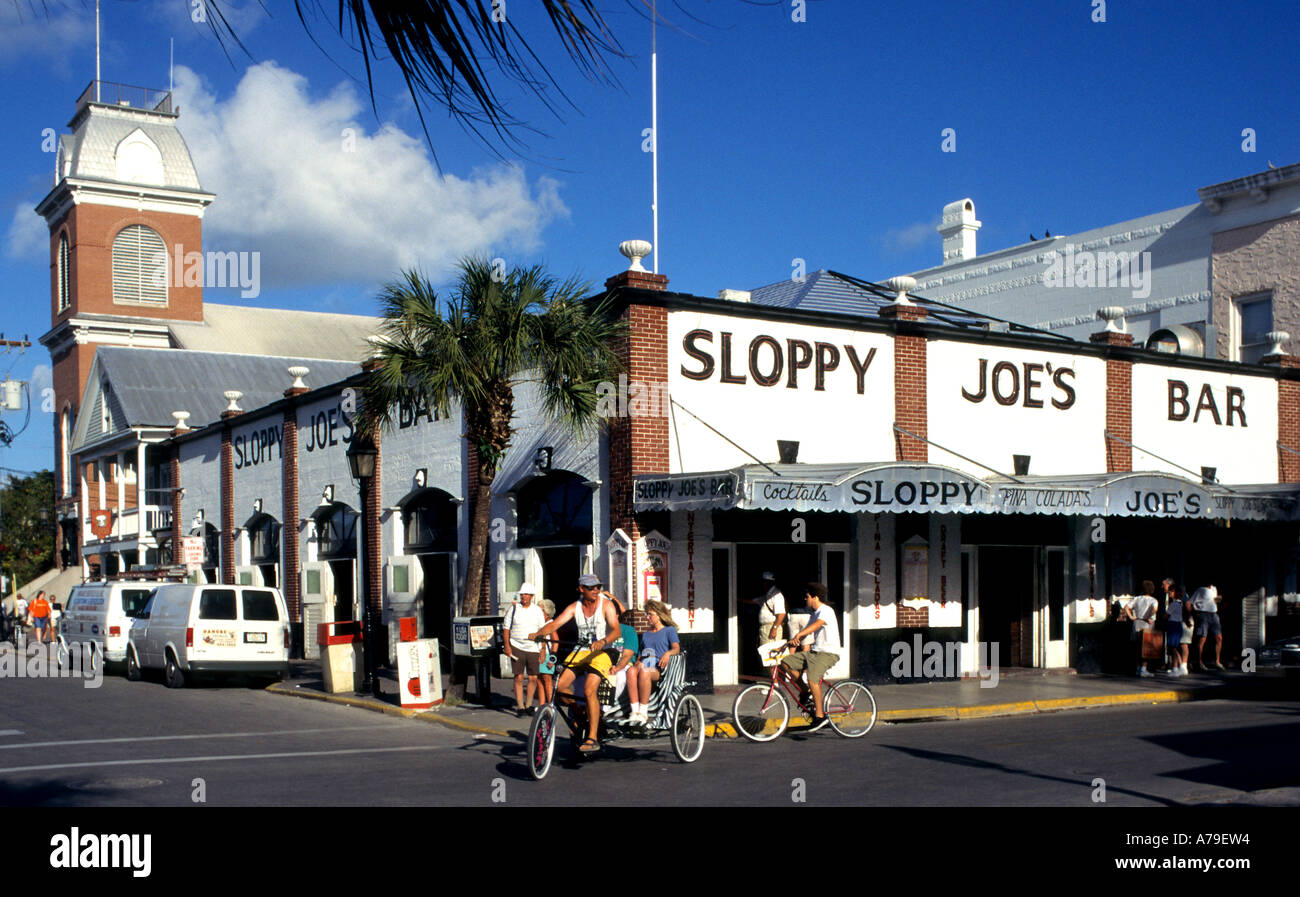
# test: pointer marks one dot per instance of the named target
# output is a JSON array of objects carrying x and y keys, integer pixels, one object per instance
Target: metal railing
[{"x": 111, "y": 93}]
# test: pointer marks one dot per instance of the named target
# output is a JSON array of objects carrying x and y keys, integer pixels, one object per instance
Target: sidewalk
[{"x": 923, "y": 702}]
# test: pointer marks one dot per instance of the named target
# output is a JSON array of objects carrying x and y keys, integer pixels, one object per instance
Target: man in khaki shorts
[{"x": 821, "y": 655}]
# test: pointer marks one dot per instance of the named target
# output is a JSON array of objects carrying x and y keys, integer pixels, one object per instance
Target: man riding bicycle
[
  {"x": 598, "y": 630},
  {"x": 821, "y": 655}
]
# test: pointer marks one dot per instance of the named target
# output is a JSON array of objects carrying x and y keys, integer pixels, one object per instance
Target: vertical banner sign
[
  {"x": 876, "y": 566},
  {"x": 690, "y": 569},
  {"x": 916, "y": 571},
  {"x": 654, "y": 569},
  {"x": 943, "y": 565}
]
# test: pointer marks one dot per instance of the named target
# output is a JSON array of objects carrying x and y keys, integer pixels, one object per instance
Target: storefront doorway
[{"x": 794, "y": 566}]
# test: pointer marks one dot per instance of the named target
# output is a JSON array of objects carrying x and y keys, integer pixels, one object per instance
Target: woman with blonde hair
[{"x": 658, "y": 644}]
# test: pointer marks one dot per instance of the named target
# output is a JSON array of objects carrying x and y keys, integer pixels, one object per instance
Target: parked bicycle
[
  {"x": 762, "y": 711},
  {"x": 672, "y": 712}
]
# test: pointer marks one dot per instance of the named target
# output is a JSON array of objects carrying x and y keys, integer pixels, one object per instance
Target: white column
[{"x": 121, "y": 496}]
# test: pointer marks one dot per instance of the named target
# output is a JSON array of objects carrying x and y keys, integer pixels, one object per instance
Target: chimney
[{"x": 958, "y": 231}]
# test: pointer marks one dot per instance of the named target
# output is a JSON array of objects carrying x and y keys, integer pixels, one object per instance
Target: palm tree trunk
[{"x": 472, "y": 601}]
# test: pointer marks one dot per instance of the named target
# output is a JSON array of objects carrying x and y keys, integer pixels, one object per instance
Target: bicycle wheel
[
  {"x": 688, "y": 729},
  {"x": 850, "y": 708},
  {"x": 761, "y": 713},
  {"x": 541, "y": 742}
]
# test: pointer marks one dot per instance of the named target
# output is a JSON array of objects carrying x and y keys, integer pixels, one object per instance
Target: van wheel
[
  {"x": 173, "y": 675},
  {"x": 132, "y": 667}
]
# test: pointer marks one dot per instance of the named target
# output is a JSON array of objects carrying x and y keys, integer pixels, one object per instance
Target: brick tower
[{"x": 125, "y": 207}]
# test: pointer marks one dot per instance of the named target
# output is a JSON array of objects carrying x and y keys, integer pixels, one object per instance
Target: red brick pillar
[
  {"x": 374, "y": 538},
  {"x": 178, "y": 531},
  {"x": 1288, "y": 419},
  {"x": 638, "y": 445},
  {"x": 227, "y": 502},
  {"x": 909, "y": 382},
  {"x": 290, "y": 543},
  {"x": 1119, "y": 401}
]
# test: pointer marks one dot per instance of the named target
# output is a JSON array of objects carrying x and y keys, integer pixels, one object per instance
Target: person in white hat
[
  {"x": 771, "y": 610},
  {"x": 523, "y": 618}
]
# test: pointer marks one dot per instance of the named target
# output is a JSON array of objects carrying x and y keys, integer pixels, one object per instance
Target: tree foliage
[
  {"x": 27, "y": 541},
  {"x": 498, "y": 330}
]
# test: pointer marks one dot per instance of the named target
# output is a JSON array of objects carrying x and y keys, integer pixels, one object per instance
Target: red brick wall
[
  {"x": 638, "y": 445},
  {"x": 289, "y": 582},
  {"x": 913, "y": 617},
  {"x": 1288, "y": 422},
  {"x": 174, "y": 462},
  {"x": 227, "y": 506},
  {"x": 374, "y": 542},
  {"x": 90, "y": 230},
  {"x": 910, "y": 411},
  {"x": 1119, "y": 402}
]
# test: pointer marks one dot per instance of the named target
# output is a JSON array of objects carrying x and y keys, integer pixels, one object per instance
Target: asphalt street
[{"x": 232, "y": 744}]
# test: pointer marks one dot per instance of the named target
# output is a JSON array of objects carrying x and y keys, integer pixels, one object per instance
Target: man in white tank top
[{"x": 597, "y": 622}]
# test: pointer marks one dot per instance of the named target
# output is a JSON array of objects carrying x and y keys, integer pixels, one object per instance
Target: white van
[
  {"x": 99, "y": 614},
  {"x": 197, "y": 628}
]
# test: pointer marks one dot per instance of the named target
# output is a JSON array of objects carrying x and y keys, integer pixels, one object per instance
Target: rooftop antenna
[
  {"x": 654, "y": 124},
  {"x": 96, "y": 51},
  {"x": 171, "y": 66}
]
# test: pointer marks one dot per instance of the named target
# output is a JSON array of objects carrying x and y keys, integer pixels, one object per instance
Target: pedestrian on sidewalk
[
  {"x": 1205, "y": 603},
  {"x": 1142, "y": 611},
  {"x": 523, "y": 618},
  {"x": 1176, "y": 609},
  {"x": 39, "y": 617},
  {"x": 771, "y": 610},
  {"x": 19, "y": 617}
]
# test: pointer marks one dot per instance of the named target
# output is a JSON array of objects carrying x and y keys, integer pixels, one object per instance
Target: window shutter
[{"x": 140, "y": 267}]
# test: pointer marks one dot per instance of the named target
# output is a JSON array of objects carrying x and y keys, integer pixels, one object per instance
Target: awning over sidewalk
[{"x": 931, "y": 488}]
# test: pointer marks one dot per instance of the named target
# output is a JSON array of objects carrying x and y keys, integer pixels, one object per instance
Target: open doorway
[
  {"x": 438, "y": 603},
  {"x": 1006, "y": 601},
  {"x": 795, "y": 565}
]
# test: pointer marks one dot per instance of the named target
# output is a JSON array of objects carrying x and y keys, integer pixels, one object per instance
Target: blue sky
[{"x": 779, "y": 140}]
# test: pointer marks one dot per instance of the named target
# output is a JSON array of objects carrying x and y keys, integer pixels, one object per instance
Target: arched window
[
  {"x": 555, "y": 510},
  {"x": 65, "y": 443},
  {"x": 64, "y": 290},
  {"x": 429, "y": 520},
  {"x": 139, "y": 267},
  {"x": 336, "y": 532},
  {"x": 264, "y": 539}
]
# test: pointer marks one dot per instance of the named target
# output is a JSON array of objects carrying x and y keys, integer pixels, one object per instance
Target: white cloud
[
  {"x": 40, "y": 379},
  {"x": 41, "y": 31},
  {"x": 902, "y": 239},
  {"x": 27, "y": 237},
  {"x": 299, "y": 179}
]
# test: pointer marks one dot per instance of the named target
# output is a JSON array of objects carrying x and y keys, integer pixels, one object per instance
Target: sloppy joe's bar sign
[
  {"x": 902, "y": 488},
  {"x": 990, "y": 402},
  {"x": 758, "y": 381}
]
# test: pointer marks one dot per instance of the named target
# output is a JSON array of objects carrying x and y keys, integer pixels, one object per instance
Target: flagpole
[
  {"x": 654, "y": 126},
  {"x": 96, "y": 51}
]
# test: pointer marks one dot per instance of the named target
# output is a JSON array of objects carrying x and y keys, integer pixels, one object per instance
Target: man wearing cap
[
  {"x": 598, "y": 629},
  {"x": 524, "y": 617},
  {"x": 771, "y": 610}
]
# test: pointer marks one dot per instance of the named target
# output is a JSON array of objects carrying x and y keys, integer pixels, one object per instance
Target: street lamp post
[{"x": 362, "y": 455}]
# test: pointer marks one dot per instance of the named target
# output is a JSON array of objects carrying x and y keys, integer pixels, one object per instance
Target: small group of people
[
  {"x": 1186, "y": 622},
  {"x": 37, "y": 613},
  {"x": 610, "y": 652},
  {"x": 816, "y": 646}
]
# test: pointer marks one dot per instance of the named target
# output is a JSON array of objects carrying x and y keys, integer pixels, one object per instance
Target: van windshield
[
  {"x": 260, "y": 606},
  {"x": 217, "y": 604},
  {"x": 134, "y": 600}
]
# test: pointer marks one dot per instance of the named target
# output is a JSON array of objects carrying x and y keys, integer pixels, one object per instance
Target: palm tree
[{"x": 498, "y": 330}]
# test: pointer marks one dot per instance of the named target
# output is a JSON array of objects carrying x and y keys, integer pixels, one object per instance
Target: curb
[
  {"x": 727, "y": 729},
  {"x": 424, "y": 716},
  {"x": 1015, "y": 708}
]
